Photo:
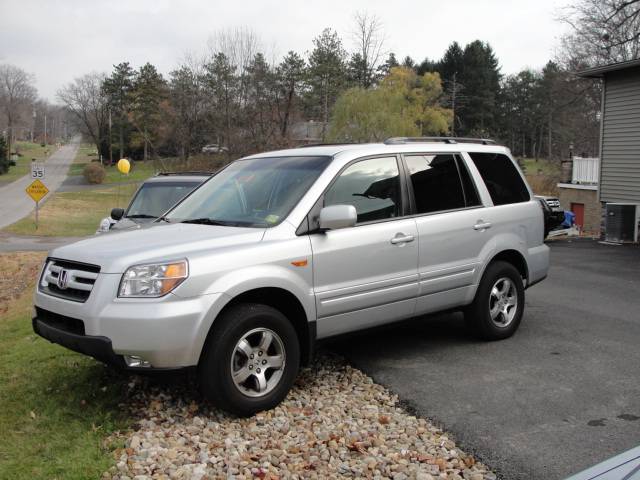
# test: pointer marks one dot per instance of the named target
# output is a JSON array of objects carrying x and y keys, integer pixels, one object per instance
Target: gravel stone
[{"x": 335, "y": 422}]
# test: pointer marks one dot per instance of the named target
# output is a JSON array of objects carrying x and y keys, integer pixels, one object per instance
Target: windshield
[
  {"x": 258, "y": 192},
  {"x": 155, "y": 198}
]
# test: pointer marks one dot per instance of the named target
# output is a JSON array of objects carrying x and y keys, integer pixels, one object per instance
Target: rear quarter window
[{"x": 504, "y": 182}]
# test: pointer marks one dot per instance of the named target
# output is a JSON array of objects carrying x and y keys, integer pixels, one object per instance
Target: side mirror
[
  {"x": 338, "y": 216},
  {"x": 117, "y": 213}
]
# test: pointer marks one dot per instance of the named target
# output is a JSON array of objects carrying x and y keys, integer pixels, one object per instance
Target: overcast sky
[{"x": 60, "y": 40}]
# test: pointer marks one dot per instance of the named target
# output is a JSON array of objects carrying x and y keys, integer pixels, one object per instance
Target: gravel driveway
[{"x": 336, "y": 423}]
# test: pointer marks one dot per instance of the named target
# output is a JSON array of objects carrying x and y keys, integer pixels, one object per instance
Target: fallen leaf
[
  {"x": 384, "y": 419},
  {"x": 32, "y": 414}
]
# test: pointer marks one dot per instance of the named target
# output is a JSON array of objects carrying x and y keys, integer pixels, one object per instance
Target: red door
[{"x": 578, "y": 210}]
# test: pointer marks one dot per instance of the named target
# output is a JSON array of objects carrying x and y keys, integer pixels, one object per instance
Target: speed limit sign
[{"x": 37, "y": 169}]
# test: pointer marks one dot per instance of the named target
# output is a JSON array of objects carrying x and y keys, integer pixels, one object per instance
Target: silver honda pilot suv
[{"x": 281, "y": 249}]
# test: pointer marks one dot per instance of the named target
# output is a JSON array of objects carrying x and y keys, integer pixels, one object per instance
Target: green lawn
[
  {"x": 74, "y": 213},
  {"x": 27, "y": 151},
  {"x": 56, "y": 407},
  {"x": 540, "y": 167},
  {"x": 87, "y": 153}
]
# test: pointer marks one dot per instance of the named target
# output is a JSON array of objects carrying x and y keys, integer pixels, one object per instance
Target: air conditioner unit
[{"x": 621, "y": 222}]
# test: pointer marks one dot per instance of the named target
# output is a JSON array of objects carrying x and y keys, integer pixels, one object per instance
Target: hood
[
  {"x": 156, "y": 242},
  {"x": 127, "y": 223}
]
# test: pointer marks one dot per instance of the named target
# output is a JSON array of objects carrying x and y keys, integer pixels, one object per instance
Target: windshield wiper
[
  {"x": 140, "y": 215},
  {"x": 213, "y": 221}
]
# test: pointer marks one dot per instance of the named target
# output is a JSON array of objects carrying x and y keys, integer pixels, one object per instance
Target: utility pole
[{"x": 45, "y": 129}]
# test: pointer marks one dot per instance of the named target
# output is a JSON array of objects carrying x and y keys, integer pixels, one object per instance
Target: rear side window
[
  {"x": 501, "y": 177},
  {"x": 437, "y": 183}
]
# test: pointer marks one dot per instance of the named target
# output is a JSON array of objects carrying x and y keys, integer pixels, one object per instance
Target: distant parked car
[
  {"x": 553, "y": 213},
  {"x": 214, "y": 148},
  {"x": 154, "y": 197}
]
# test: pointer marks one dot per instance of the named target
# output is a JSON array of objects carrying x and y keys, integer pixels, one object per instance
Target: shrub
[
  {"x": 4, "y": 160},
  {"x": 94, "y": 173}
]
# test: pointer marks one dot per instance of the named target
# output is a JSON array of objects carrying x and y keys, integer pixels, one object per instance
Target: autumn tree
[{"x": 404, "y": 104}]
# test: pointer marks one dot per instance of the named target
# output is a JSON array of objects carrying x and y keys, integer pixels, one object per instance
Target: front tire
[
  {"x": 496, "y": 311},
  {"x": 250, "y": 360}
]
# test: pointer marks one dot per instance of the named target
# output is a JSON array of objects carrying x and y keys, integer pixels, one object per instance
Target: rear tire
[
  {"x": 250, "y": 359},
  {"x": 496, "y": 311}
]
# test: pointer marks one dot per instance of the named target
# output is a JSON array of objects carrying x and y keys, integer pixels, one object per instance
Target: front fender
[{"x": 235, "y": 283}]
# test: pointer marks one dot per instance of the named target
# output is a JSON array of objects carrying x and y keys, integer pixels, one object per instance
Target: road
[
  {"x": 16, "y": 204},
  {"x": 32, "y": 243},
  {"x": 559, "y": 396}
]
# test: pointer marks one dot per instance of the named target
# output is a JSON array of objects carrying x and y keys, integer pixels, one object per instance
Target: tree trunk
[
  {"x": 285, "y": 121},
  {"x": 146, "y": 144},
  {"x": 549, "y": 133},
  {"x": 121, "y": 153}
]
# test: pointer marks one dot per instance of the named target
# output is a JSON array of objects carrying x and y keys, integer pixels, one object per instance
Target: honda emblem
[{"x": 63, "y": 279}]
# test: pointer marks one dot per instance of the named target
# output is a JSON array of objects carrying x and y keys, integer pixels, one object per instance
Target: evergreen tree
[
  {"x": 186, "y": 93},
  {"x": 149, "y": 90},
  {"x": 4, "y": 158},
  {"x": 390, "y": 62},
  {"x": 327, "y": 74},
  {"x": 481, "y": 81},
  {"x": 409, "y": 63},
  {"x": 117, "y": 88},
  {"x": 222, "y": 84},
  {"x": 289, "y": 76},
  {"x": 260, "y": 108}
]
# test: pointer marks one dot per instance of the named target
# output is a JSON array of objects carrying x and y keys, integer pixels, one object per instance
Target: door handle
[
  {"x": 482, "y": 225},
  {"x": 402, "y": 238}
]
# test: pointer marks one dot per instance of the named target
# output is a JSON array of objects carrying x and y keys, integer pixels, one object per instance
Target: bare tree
[
  {"x": 17, "y": 93},
  {"x": 602, "y": 31},
  {"x": 369, "y": 39},
  {"x": 85, "y": 99}
]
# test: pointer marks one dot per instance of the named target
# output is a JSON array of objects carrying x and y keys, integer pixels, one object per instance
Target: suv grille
[
  {"x": 69, "y": 280},
  {"x": 553, "y": 202}
]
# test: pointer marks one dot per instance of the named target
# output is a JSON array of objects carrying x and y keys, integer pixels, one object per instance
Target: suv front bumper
[
  {"x": 97, "y": 347},
  {"x": 167, "y": 332}
]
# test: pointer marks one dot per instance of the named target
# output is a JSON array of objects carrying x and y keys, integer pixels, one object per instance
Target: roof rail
[
  {"x": 195, "y": 172},
  {"x": 451, "y": 140},
  {"x": 337, "y": 144}
]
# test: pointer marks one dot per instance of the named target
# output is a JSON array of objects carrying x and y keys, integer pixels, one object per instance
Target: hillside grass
[
  {"x": 71, "y": 214},
  {"x": 27, "y": 152},
  {"x": 56, "y": 407}
]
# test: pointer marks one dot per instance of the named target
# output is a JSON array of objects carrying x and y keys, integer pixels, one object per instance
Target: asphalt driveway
[{"x": 561, "y": 395}]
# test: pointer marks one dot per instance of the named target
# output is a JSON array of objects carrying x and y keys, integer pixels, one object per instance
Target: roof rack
[
  {"x": 337, "y": 144},
  {"x": 450, "y": 140},
  {"x": 196, "y": 172}
]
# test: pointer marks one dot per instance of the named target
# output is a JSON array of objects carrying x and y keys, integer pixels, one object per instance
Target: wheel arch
[
  {"x": 515, "y": 258},
  {"x": 285, "y": 302}
]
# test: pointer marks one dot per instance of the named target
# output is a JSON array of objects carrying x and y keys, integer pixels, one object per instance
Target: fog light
[{"x": 135, "y": 361}]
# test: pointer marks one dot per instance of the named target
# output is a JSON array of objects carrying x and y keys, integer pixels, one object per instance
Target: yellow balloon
[{"x": 123, "y": 165}]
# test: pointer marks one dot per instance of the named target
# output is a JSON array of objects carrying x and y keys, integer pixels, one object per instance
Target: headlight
[{"x": 153, "y": 280}]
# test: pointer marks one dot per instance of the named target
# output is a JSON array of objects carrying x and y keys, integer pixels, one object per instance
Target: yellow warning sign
[{"x": 37, "y": 190}]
